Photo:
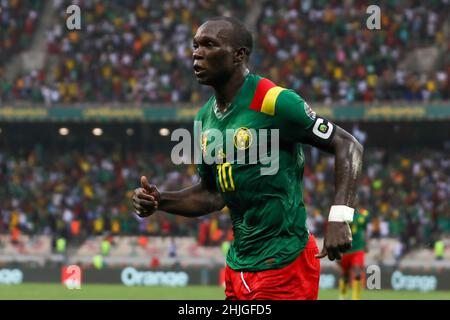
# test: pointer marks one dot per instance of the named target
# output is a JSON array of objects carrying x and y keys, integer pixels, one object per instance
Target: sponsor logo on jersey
[{"x": 242, "y": 138}]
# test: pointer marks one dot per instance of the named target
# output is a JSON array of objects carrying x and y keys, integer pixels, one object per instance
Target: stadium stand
[
  {"x": 405, "y": 193},
  {"x": 136, "y": 52},
  {"x": 141, "y": 52},
  {"x": 18, "y": 21},
  {"x": 323, "y": 50}
]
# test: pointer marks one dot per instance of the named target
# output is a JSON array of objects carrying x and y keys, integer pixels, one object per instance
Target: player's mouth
[{"x": 198, "y": 70}]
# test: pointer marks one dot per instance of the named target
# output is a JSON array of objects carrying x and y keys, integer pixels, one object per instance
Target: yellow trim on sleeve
[{"x": 270, "y": 99}]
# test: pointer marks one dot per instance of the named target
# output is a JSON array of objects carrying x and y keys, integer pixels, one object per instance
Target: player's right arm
[{"x": 197, "y": 200}]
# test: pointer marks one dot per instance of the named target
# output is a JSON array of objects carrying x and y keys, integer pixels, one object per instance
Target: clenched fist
[
  {"x": 337, "y": 240},
  {"x": 146, "y": 198}
]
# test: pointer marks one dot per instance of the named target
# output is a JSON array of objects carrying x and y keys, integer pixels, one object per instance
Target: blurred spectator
[
  {"x": 172, "y": 248},
  {"x": 18, "y": 21},
  {"x": 439, "y": 249}
]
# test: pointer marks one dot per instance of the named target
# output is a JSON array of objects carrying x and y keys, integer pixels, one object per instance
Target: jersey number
[{"x": 225, "y": 175}]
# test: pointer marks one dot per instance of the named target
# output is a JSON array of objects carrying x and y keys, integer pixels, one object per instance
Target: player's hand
[
  {"x": 146, "y": 198},
  {"x": 337, "y": 240}
]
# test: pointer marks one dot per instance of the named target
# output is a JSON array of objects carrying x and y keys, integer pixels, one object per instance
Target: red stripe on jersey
[{"x": 263, "y": 86}]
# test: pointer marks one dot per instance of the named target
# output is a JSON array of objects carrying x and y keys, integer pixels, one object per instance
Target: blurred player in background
[
  {"x": 273, "y": 255},
  {"x": 352, "y": 263}
]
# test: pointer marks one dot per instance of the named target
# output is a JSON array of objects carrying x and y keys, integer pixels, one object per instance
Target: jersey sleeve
[{"x": 298, "y": 122}]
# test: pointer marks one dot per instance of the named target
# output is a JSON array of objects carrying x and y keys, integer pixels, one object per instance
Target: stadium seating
[
  {"x": 407, "y": 180},
  {"x": 18, "y": 22},
  {"x": 82, "y": 216},
  {"x": 141, "y": 53},
  {"x": 36, "y": 245},
  {"x": 324, "y": 51},
  {"x": 127, "y": 250}
]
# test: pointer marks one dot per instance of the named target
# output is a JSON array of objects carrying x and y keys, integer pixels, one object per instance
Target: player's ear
[{"x": 240, "y": 55}]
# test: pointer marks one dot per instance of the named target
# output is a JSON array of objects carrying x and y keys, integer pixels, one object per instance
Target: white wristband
[{"x": 340, "y": 213}]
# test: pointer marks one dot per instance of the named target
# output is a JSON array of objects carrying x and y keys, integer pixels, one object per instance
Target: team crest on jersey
[{"x": 242, "y": 138}]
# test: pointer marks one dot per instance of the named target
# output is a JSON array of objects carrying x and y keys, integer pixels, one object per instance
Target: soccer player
[
  {"x": 273, "y": 255},
  {"x": 352, "y": 263}
]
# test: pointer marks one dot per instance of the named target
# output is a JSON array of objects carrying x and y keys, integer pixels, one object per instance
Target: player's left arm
[
  {"x": 348, "y": 154},
  {"x": 305, "y": 126}
]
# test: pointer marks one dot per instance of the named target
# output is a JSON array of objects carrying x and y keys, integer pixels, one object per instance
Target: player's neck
[{"x": 226, "y": 92}]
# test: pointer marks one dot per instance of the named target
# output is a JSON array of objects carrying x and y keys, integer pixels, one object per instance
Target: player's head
[{"x": 221, "y": 46}]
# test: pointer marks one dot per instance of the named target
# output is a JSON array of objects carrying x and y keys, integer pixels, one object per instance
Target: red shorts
[
  {"x": 297, "y": 281},
  {"x": 354, "y": 259}
]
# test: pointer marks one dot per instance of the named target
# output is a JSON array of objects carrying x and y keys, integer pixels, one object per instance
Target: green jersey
[
  {"x": 359, "y": 227},
  {"x": 267, "y": 210}
]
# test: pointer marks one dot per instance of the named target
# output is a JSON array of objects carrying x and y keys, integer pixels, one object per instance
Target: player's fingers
[
  {"x": 146, "y": 204},
  {"x": 135, "y": 199},
  {"x": 147, "y": 186},
  {"x": 331, "y": 253},
  {"x": 141, "y": 214},
  {"x": 146, "y": 196},
  {"x": 344, "y": 247},
  {"x": 322, "y": 254},
  {"x": 137, "y": 205},
  {"x": 138, "y": 210},
  {"x": 337, "y": 252}
]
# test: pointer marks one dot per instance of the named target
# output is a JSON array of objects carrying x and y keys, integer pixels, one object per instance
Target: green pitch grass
[{"x": 108, "y": 292}]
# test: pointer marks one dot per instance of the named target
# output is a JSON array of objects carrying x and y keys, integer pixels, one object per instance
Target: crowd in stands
[
  {"x": 140, "y": 51},
  {"x": 324, "y": 50},
  {"x": 136, "y": 51},
  {"x": 18, "y": 21},
  {"x": 79, "y": 194}
]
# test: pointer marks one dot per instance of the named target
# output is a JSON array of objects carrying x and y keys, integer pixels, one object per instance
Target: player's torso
[
  {"x": 259, "y": 177},
  {"x": 251, "y": 163},
  {"x": 358, "y": 227}
]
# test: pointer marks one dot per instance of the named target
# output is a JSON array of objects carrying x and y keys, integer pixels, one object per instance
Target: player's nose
[{"x": 197, "y": 54}]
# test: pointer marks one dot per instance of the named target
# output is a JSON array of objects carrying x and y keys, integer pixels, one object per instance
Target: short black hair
[{"x": 242, "y": 37}]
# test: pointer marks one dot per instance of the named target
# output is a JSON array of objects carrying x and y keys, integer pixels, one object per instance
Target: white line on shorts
[{"x": 245, "y": 283}]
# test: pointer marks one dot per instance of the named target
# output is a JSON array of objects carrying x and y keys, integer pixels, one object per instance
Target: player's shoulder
[
  {"x": 269, "y": 94},
  {"x": 265, "y": 84}
]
